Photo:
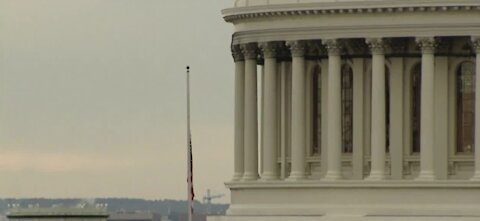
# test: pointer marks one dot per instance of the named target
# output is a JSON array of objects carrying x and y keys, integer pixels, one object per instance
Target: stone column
[
  {"x": 397, "y": 108},
  {"x": 378, "y": 134},
  {"x": 358, "y": 118},
  {"x": 427, "y": 127},
  {"x": 297, "y": 49},
  {"x": 476, "y": 175},
  {"x": 334, "y": 105},
  {"x": 239, "y": 112},
  {"x": 251, "y": 118},
  {"x": 270, "y": 121}
]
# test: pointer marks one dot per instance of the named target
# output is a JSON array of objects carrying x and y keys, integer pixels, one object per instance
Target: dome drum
[{"x": 367, "y": 110}]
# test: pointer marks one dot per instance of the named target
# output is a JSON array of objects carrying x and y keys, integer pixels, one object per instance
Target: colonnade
[{"x": 246, "y": 116}]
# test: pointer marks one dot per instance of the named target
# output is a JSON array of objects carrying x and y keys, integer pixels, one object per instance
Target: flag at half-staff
[{"x": 191, "y": 193}]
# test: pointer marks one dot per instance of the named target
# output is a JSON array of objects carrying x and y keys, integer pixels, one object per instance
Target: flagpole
[{"x": 189, "y": 154}]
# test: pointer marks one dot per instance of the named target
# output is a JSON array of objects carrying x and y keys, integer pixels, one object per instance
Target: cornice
[
  {"x": 364, "y": 31},
  {"x": 306, "y": 9}
]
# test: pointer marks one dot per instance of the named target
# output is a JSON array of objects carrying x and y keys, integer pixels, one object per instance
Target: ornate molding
[
  {"x": 427, "y": 44},
  {"x": 249, "y": 51},
  {"x": 376, "y": 45},
  {"x": 315, "y": 9},
  {"x": 297, "y": 48},
  {"x": 476, "y": 43},
  {"x": 237, "y": 53},
  {"x": 269, "y": 49},
  {"x": 333, "y": 46}
]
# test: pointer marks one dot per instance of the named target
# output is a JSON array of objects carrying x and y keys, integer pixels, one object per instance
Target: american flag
[{"x": 191, "y": 193}]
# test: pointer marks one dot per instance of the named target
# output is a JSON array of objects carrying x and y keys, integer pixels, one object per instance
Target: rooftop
[{"x": 98, "y": 211}]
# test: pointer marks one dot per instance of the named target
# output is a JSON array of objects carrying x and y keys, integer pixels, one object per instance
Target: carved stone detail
[
  {"x": 476, "y": 43},
  {"x": 333, "y": 46},
  {"x": 297, "y": 48},
  {"x": 269, "y": 49},
  {"x": 237, "y": 53},
  {"x": 427, "y": 44},
  {"x": 249, "y": 51},
  {"x": 376, "y": 45}
]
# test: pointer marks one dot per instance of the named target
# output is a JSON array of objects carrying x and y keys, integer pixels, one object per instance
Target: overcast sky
[{"x": 92, "y": 97}]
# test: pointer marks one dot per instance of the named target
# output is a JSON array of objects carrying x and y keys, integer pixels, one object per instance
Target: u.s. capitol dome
[{"x": 366, "y": 110}]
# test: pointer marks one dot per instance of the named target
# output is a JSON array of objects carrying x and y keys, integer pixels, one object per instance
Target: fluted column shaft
[
  {"x": 476, "y": 44},
  {"x": 334, "y": 111},
  {"x": 378, "y": 131},
  {"x": 297, "y": 49},
  {"x": 239, "y": 112},
  {"x": 270, "y": 121},
  {"x": 427, "y": 46},
  {"x": 251, "y": 118}
]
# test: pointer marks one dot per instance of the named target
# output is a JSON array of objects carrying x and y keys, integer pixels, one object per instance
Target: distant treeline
[{"x": 121, "y": 204}]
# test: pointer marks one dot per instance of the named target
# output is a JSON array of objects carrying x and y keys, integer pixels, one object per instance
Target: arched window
[
  {"x": 317, "y": 110},
  {"x": 416, "y": 90},
  {"x": 465, "y": 94},
  {"x": 347, "y": 109}
]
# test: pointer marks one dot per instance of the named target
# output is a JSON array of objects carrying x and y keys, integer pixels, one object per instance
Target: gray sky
[{"x": 92, "y": 97}]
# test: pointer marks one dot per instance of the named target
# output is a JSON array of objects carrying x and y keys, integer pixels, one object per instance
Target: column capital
[
  {"x": 427, "y": 44},
  {"x": 269, "y": 49},
  {"x": 333, "y": 46},
  {"x": 476, "y": 43},
  {"x": 237, "y": 53},
  {"x": 376, "y": 45},
  {"x": 249, "y": 51},
  {"x": 297, "y": 48}
]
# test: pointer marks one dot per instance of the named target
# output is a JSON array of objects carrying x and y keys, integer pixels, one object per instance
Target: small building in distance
[
  {"x": 58, "y": 213},
  {"x": 137, "y": 216},
  {"x": 151, "y": 216}
]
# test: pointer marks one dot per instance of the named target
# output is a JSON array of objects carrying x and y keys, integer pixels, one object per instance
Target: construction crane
[{"x": 207, "y": 200}]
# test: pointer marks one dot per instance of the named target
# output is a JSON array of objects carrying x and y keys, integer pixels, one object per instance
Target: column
[
  {"x": 397, "y": 117},
  {"x": 324, "y": 126},
  {"x": 378, "y": 133},
  {"x": 427, "y": 127},
  {"x": 283, "y": 120},
  {"x": 239, "y": 112},
  {"x": 358, "y": 118},
  {"x": 334, "y": 109},
  {"x": 441, "y": 117},
  {"x": 297, "y": 49},
  {"x": 269, "y": 120},
  {"x": 251, "y": 118},
  {"x": 476, "y": 175}
]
